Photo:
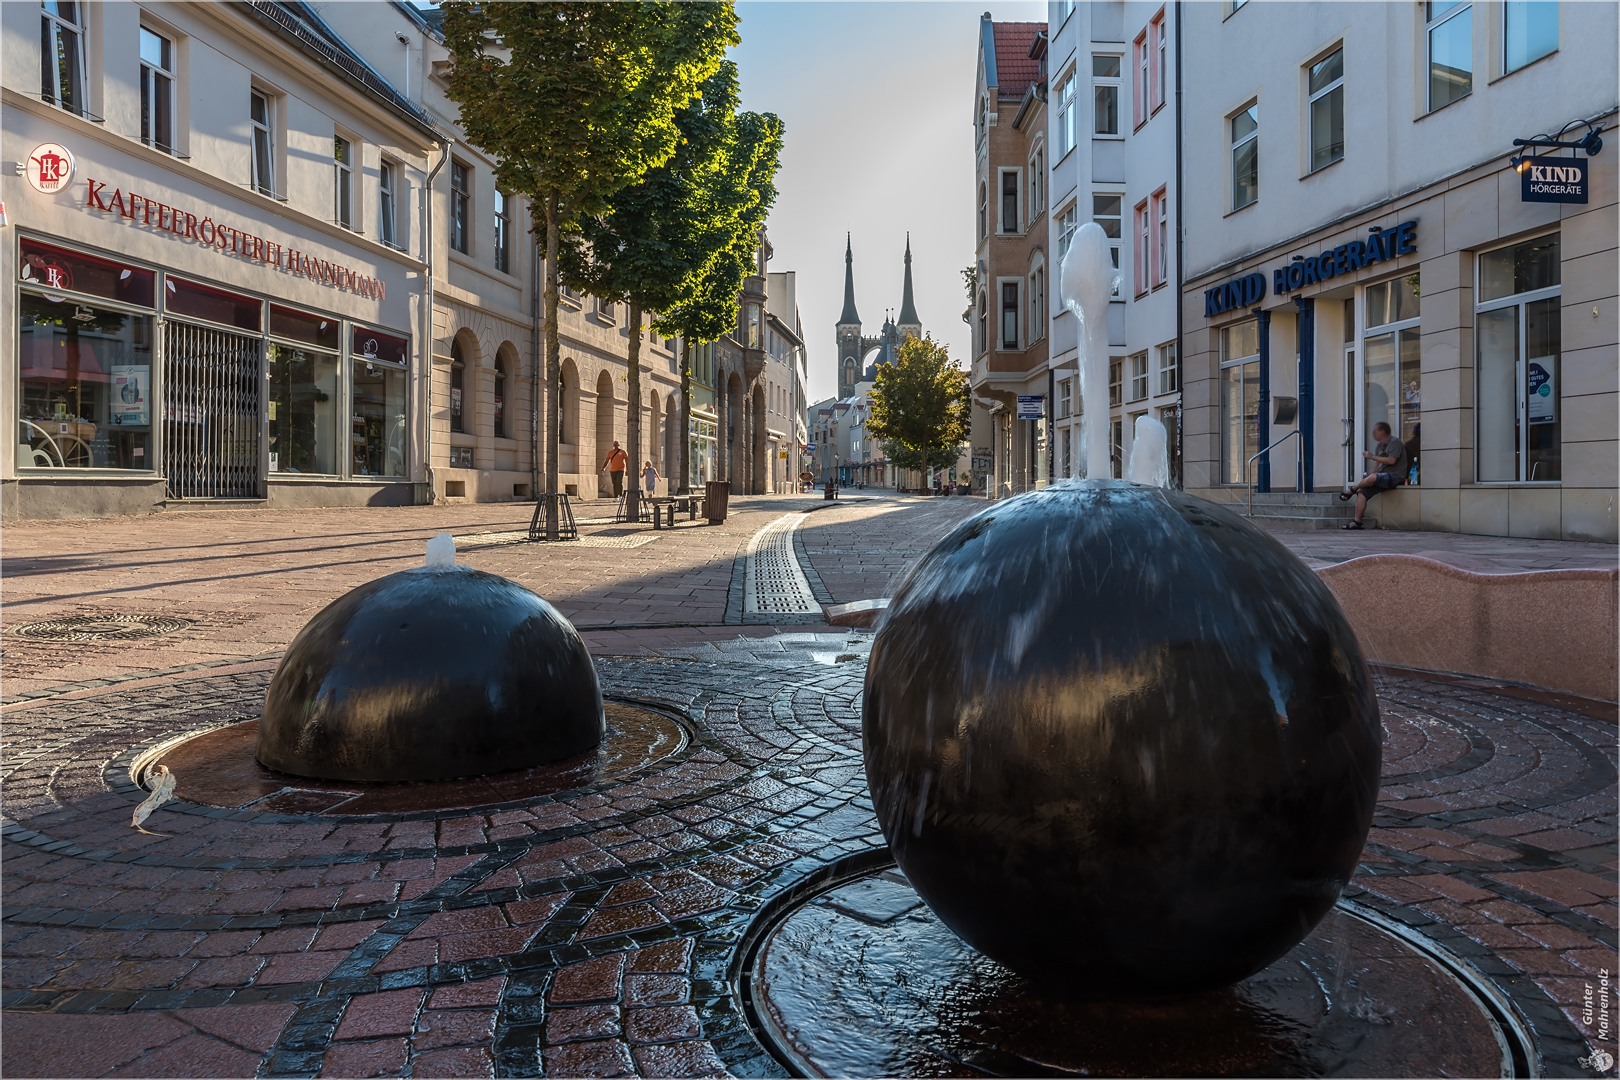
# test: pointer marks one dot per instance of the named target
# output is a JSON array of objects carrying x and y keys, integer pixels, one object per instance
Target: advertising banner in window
[
  {"x": 1542, "y": 396},
  {"x": 1553, "y": 179}
]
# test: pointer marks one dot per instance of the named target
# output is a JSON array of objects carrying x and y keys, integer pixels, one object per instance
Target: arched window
[
  {"x": 500, "y": 398},
  {"x": 458, "y": 371}
]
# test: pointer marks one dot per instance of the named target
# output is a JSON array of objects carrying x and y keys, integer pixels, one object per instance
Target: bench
[{"x": 692, "y": 504}]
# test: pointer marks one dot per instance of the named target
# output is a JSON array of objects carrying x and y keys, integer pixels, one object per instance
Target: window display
[
  {"x": 303, "y": 410},
  {"x": 86, "y": 376},
  {"x": 377, "y": 420}
]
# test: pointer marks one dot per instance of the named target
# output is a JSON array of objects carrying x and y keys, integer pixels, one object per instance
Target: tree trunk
[
  {"x": 683, "y": 455},
  {"x": 632, "y": 420},
  {"x": 553, "y": 364}
]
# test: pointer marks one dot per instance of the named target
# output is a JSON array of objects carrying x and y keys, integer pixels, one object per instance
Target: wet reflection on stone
[
  {"x": 218, "y": 768},
  {"x": 866, "y": 981}
]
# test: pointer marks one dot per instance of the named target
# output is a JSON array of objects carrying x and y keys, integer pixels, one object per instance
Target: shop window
[
  {"x": 377, "y": 419},
  {"x": 368, "y": 344},
  {"x": 500, "y": 398},
  {"x": 303, "y": 408},
  {"x": 1392, "y": 348},
  {"x": 1450, "y": 33},
  {"x": 157, "y": 90},
  {"x": 1518, "y": 334},
  {"x": 1068, "y": 452},
  {"x": 196, "y": 301},
  {"x": 261, "y": 119},
  {"x": 1009, "y": 315},
  {"x": 1009, "y": 200},
  {"x": 1170, "y": 417},
  {"x": 58, "y": 269},
  {"x": 460, "y": 204},
  {"x": 343, "y": 182},
  {"x": 1105, "y": 94},
  {"x": 320, "y": 331},
  {"x": 1529, "y": 32},
  {"x": 61, "y": 43},
  {"x": 458, "y": 378},
  {"x": 503, "y": 231},
  {"x": 1139, "y": 377},
  {"x": 1105, "y": 211},
  {"x": 1240, "y": 399},
  {"x": 1169, "y": 372},
  {"x": 85, "y": 379},
  {"x": 1245, "y": 139},
  {"x": 387, "y": 177},
  {"x": 1063, "y": 131},
  {"x": 1325, "y": 82}
]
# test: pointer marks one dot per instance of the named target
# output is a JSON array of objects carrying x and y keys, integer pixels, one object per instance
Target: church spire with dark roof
[
  {"x": 850, "y": 317},
  {"x": 908, "y": 309}
]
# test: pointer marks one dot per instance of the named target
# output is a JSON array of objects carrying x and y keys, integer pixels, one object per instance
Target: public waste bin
[{"x": 716, "y": 494}]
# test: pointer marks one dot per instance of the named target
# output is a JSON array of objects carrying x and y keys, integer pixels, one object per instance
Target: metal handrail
[{"x": 1267, "y": 450}]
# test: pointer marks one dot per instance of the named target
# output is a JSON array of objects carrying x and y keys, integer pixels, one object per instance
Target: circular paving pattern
[
  {"x": 603, "y": 929},
  {"x": 105, "y": 627},
  {"x": 863, "y": 980}
]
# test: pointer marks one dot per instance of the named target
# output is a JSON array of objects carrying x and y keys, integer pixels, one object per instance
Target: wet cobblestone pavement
[{"x": 600, "y": 931}]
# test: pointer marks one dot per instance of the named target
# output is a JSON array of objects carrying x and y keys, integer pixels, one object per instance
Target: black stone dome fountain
[
  {"x": 1124, "y": 746},
  {"x": 437, "y": 672}
]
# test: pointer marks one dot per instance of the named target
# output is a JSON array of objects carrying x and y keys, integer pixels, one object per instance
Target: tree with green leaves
[
  {"x": 921, "y": 405},
  {"x": 657, "y": 243},
  {"x": 738, "y": 193},
  {"x": 576, "y": 102}
]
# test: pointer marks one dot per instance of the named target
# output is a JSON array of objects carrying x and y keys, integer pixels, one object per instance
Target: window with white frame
[
  {"x": 1139, "y": 376},
  {"x": 1009, "y": 315},
  {"x": 1037, "y": 183},
  {"x": 1244, "y": 129},
  {"x": 1142, "y": 255},
  {"x": 1169, "y": 373},
  {"x": 984, "y": 326},
  {"x": 61, "y": 43},
  {"x": 1161, "y": 63},
  {"x": 1106, "y": 212},
  {"x": 1529, "y": 32},
  {"x": 460, "y": 205},
  {"x": 1009, "y": 200},
  {"x": 503, "y": 231},
  {"x": 1104, "y": 94},
  {"x": 1391, "y": 349},
  {"x": 343, "y": 181},
  {"x": 1240, "y": 399},
  {"x": 1037, "y": 303},
  {"x": 261, "y": 118},
  {"x": 984, "y": 211},
  {"x": 1450, "y": 34},
  {"x": 1325, "y": 83},
  {"x": 157, "y": 90},
  {"x": 1159, "y": 212},
  {"x": 1144, "y": 77},
  {"x": 1068, "y": 222},
  {"x": 1065, "y": 399},
  {"x": 387, "y": 178},
  {"x": 1063, "y": 130},
  {"x": 1116, "y": 378},
  {"x": 1517, "y": 384}
]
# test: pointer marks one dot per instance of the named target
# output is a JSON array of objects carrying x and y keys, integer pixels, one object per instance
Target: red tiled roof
[{"x": 1014, "y": 68}]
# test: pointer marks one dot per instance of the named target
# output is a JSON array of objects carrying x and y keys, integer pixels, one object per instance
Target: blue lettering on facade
[
  {"x": 1380, "y": 246},
  {"x": 1243, "y": 292}
]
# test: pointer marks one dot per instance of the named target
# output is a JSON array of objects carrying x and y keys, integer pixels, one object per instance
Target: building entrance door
[{"x": 211, "y": 387}]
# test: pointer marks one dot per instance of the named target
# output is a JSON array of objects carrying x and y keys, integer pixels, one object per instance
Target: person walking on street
[
  {"x": 649, "y": 479},
  {"x": 615, "y": 463},
  {"x": 1390, "y": 456}
]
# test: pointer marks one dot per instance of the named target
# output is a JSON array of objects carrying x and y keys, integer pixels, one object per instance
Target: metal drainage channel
[{"x": 776, "y": 584}]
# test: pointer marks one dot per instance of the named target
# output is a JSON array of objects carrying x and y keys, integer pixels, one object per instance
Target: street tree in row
[
  {"x": 576, "y": 102},
  {"x": 920, "y": 405},
  {"x": 659, "y": 244}
]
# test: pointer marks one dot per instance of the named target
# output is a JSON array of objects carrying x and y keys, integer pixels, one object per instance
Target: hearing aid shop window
[
  {"x": 377, "y": 414},
  {"x": 304, "y": 404},
  {"x": 84, "y": 366}
]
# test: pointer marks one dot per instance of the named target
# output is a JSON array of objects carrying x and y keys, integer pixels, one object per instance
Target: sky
[{"x": 877, "y": 103}]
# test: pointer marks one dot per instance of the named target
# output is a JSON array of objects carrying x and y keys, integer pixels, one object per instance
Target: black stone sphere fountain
[
  {"x": 1121, "y": 740},
  {"x": 429, "y": 674}
]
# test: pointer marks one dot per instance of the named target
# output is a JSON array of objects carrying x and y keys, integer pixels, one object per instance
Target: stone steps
[{"x": 1302, "y": 510}]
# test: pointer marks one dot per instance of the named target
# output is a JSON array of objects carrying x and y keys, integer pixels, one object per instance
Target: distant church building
[{"x": 854, "y": 350}]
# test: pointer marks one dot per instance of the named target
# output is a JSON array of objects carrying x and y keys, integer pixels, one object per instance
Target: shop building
[
  {"x": 1363, "y": 248},
  {"x": 214, "y": 263}
]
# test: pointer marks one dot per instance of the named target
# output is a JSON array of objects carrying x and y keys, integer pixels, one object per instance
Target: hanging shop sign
[
  {"x": 227, "y": 240},
  {"x": 1553, "y": 179},
  {"x": 50, "y": 168},
  {"x": 1031, "y": 406}
]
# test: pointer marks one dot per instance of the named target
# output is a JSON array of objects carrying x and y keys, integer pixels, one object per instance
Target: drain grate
[
  {"x": 109, "y": 627},
  {"x": 776, "y": 584}
]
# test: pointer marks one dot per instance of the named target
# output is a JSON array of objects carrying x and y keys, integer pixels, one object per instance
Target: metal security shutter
[{"x": 211, "y": 381}]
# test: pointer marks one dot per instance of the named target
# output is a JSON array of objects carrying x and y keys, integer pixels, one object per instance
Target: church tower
[
  {"x": 849, "y": 327},
  {"x": 908, "y": 323}
]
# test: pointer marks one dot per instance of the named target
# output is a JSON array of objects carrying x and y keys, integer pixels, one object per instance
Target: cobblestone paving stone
[{"x": 599, "y": 931}]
